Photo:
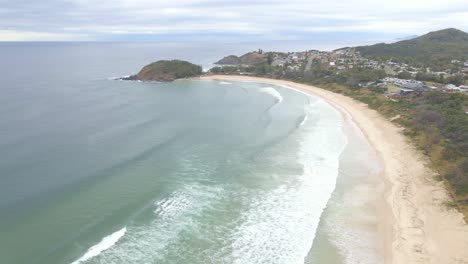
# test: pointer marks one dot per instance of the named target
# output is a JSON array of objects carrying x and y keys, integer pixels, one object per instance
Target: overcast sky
[{"x": 83, "y": 20}]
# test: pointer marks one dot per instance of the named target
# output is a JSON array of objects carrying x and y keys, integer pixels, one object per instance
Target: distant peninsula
[
  {"x": 166, "y": 71},
  {"x": 251, "y": 58}
]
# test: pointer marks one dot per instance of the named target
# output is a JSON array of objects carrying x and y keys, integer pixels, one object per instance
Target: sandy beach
[{"x": 416, "y": 225}]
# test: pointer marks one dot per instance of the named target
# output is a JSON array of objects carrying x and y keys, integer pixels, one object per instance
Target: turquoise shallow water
[{"x": 95, "y": 170}]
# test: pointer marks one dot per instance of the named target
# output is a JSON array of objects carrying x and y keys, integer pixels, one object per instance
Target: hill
[
  {"x": 229, "y": 60},
  {"x": 165, "y": 70},
  {"x": 250, "y": 58},
  {"x": 435, "y": 49},
  {"x": 403, "y": 38}
]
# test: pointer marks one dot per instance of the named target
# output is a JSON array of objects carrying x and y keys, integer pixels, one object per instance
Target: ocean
[{"x": 97, "y": 170}]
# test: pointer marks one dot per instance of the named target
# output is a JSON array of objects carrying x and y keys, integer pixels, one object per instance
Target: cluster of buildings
[
  {"x": 348, "y": 58},
  {"x": 339, "y": 59},
  {"x": 406, "y": 87},
  {"x": 344, "y": 59},
  {"x": 454, "y": 88},
  {"x": 460, "y": 63},
  {"x": 292, "y": 61},
  {"x": 297, "y": 61},
  {"x": 465, "y": 67}
]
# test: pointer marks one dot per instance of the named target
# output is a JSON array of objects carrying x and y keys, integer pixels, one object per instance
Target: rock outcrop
[{"x": 166, "y": 70}]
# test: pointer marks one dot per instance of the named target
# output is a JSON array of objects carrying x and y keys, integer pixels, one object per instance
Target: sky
[{"x": 242, "y": 20}]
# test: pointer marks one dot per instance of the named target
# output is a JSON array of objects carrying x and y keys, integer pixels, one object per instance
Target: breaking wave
[
  {"x": 174, "y": 215},
  {"x": 106, "y": 243},
  {"x": 280, "y": 225},
  {"x": 273, "y": 92},
  {"x": 261, "y": 216},
  {"x": 301, "y": 120}
]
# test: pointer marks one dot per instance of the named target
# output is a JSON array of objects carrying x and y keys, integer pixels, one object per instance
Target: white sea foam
[
  {"x": 174, "y": 206},
  {"x": 150, "y": 242},
  {"x": 117, "y": 78},
  {"x": 224, "y": 83},
  {"x": 304, "y": 120},
  {"x": 276, "y": 225},
  {"x": 356, "y": 244},
  {"x": 106, "y": 243},
  {"x": 280, "y": 225},
  {"x": 273, "y": 92}
]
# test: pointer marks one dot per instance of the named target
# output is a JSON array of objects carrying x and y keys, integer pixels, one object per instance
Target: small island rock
[{"x": 167, "y": 70}]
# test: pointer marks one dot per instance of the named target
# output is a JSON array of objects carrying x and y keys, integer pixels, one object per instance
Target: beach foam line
[
  {"x": 269, "y": 235},
  {"x": 176, "y": 213},
  {"x": 224, "y": 83},
  {"x": 273, "y": 92},
  {"x": 114, "y": 78},
  {"x": 302, "y": 119},
  {"x": 106, "y": 243}
]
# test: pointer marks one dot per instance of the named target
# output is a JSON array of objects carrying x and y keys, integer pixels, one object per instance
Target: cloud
[{"x": 103, "y": 20}]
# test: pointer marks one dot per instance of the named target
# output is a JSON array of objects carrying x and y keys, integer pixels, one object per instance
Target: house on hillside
[
  {"x": 454, "y": 88},
  {"x": 406, "y": 91},
  {"x": 463, "y": 88},
  {"x": 425, "y": 88},
  {"x": 294, "y": 68}
]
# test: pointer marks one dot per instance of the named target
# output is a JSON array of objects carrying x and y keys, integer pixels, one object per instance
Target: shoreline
[
  {"x": 416, "y": 226},
  {"x": 358, "y": 189}
]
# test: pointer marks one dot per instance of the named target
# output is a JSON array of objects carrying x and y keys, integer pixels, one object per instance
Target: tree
[
  {"x": 420, "y": 76},
  {"x": 456, "y": 79},
  {"x": 270, "y": 58},
  {"x": 404, "y": 75}
]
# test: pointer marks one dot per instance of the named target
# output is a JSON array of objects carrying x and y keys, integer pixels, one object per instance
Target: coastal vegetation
[
  {"x": 435, "y": 49},
  {"x": 167, "y": 70},
  {"x": 250, "y": 58},
  {"x": 435, "y": 121}
]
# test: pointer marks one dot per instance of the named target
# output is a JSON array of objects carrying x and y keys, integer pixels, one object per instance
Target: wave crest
[
  {"x": 106, "y": 243},
  {"x": 273, "y": 92}
]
